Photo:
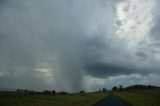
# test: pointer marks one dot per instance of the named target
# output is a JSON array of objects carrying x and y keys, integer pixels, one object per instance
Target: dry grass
[
  {"x": 141, "y": 97},
  {"x": 56, "y": 100}
]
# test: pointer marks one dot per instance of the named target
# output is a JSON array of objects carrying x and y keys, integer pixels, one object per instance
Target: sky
[{"x": 72, "y": 45}]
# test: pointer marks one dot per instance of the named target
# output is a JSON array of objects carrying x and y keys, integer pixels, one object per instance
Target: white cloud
[{"x": 136, "y": 21}]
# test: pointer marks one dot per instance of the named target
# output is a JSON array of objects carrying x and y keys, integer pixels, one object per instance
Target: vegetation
[
  {"x": 138, "y": 95},
  {"x": 141, "y": 97},
  {"x": 83, "y": 99},
  {"x": 114, "y": 88},
  {"x": 82, "y": 92},
  {"x": 120, "y": 87},
  {"x": 104, "y": 90}
]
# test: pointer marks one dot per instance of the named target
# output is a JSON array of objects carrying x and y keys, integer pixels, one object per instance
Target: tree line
[{"x": 133, "y": 87}]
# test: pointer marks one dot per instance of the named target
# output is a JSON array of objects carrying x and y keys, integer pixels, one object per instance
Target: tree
[
  {"x": 82, "y": 92},
  {"x": 114, "y": 88},
  {"x": 63, "y": 93},
  {"x": 53, "y": 92},
  {"x": 46, "y": 92},
  {"x": 104, "y": 90},
  {"x": 99, "y": 90},
  {"x": 120, "y": 87}
]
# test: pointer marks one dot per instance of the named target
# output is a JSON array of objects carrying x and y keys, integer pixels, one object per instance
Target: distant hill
[{"x": 141, "y": 87}]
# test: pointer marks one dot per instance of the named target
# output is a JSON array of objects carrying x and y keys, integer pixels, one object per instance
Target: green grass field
[
  {"x": 141, "y": 97},
  {"x": 55, "y": 100}
]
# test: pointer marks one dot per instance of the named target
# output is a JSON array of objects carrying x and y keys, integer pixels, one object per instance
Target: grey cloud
[
  {"x": 141, "y": 54},
  {"x": 49, "y": 36},
  {"x": 70, "y": 39},
  {"x": 106, "y": 70},
  {"x": 155, "y": 32}
]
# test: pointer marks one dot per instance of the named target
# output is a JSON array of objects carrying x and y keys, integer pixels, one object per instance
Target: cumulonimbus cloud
[{"x": 57, "y": 43}]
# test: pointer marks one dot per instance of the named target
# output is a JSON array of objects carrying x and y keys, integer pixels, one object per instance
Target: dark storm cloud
[
  {"x": 104, "y": 61},
  {"x": 105, "y": 70},
  {"x": 55, "y": 44},
  {"x": 141, "y": 54}
]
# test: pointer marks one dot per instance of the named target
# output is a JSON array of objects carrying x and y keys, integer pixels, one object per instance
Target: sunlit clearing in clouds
[{"x": 134, "y": 21}]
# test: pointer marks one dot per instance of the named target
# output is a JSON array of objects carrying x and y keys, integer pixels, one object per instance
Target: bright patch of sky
[{"x": 134, "y": 21}]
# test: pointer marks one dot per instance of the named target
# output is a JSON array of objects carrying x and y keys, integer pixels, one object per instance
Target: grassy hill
[{"x": 141, "y": 97}]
